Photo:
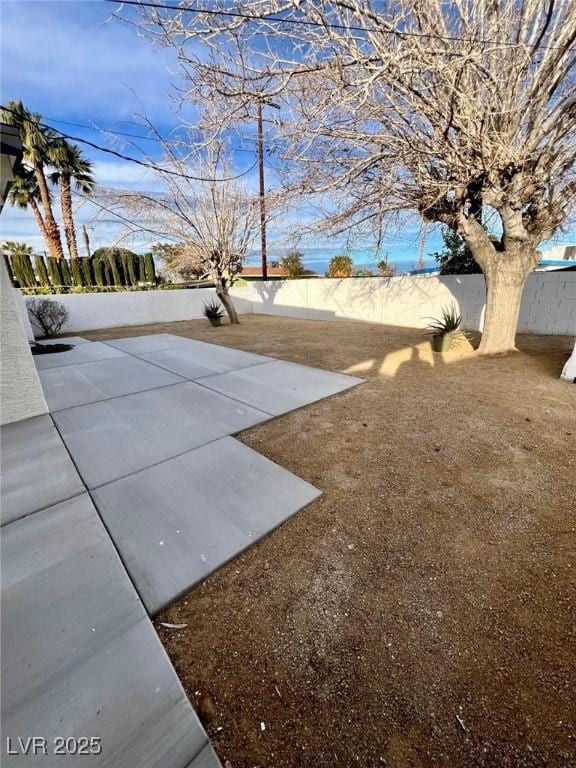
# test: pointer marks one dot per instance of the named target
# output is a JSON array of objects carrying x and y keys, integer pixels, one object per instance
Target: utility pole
[
  {"x": 260, "y": 102},
  {"x": 262, "y": 193},
  {"x": 86, "y": 240}
]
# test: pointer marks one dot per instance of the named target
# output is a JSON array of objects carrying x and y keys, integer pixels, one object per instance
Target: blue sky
[{"x": 72, "y": 62}]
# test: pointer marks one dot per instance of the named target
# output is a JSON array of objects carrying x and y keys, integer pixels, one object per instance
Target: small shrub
[
  {"x": 48, "y": 315},
  {"x": 45, "y": 290},
  {"x": 213, "y": 311}
]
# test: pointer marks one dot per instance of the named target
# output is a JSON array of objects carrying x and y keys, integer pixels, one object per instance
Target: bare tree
[
  {"x": 464, "y": 112},
  {"x": 202, "y": 206},
  {"x": 179, "y": 261}
]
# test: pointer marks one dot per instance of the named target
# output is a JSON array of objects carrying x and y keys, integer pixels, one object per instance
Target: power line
[
  {"x": 341, "y": 27},
  {"x": 123, "y": 218},
  {"x": 158, "y": 139},
  {"x": 122, "y": 156},
  {"x": 115, "y": 133}
]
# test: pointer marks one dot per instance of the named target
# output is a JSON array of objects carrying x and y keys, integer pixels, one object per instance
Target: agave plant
[
  {"x": 449, "y": 322},
  {"x": 213, "y": 311},
  {"x": 445, "y": 330}
]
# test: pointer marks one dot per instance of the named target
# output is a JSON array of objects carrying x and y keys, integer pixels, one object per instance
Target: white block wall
[
  {"x": 548, "y": 305},
  {"x": 89, "y": 311}
]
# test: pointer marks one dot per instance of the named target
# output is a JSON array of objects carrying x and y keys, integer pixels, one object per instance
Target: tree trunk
[
  {"x": 224, "y": 296},
  {"x": 67, "y": 217},
  {"x": 38, "y": 216},
  {"x": 505, "y": 275},
  {"x": 52, "y": 233}
]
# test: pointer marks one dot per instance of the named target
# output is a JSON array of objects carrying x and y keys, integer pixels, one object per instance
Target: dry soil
[{"x": 422, "y": 611}]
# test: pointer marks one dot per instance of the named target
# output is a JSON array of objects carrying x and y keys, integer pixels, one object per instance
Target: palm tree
[
  {"x": 38, "y": 144},
  {"x": 24, "y": 193},
  {"x": 70, "y": 165}
]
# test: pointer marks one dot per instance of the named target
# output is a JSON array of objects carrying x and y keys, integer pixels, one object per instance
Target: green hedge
[
  {"x": 22, "y": 272},
  {"x": 113, "y": 268}
]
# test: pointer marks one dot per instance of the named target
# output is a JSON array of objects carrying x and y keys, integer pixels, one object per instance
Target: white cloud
[
  {"x": 123, "y": 174},
  {"x": 73, "y": 59}
]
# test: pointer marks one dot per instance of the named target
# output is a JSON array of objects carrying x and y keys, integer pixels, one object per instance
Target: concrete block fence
[
  {"x": 548, "y": 305},
  {"x": 89, "y": 311}
]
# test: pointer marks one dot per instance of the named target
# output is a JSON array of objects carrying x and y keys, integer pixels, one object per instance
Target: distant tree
[
  {"x": 18, "y": 259},
  {"x": 12, "y": 248},
  {"x": 340, "y": 266},
  {"x": 41, "y": 271},
  {"x": 120, "y": 261},
  {"x": 70, "y": 166},
  {"x": 203, "y": 207},
  {"x": 179, "y": 259},
  {"x": 107, "y": 250},
  {"x": 292, "y": 264},
  {"x": 456, "y": 257},
  {"x": 385, "y": 268}
]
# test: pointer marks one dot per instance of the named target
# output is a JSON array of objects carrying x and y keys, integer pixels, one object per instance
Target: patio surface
[
  {"x": 421, "y": 611},
  {"x": 178, "y": 497},
  {"x": 80, "y": 657}
]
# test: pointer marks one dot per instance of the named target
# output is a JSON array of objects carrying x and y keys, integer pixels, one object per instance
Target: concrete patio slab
[
  {"x": 140, "y": 345},
  {"x": 206, "y": 360},
  {"x": 37, "y": 471},
  {"x": 79, "y": 655},
  {"x": 113, "y": 438},
  {"x": 71, "y": 385},
  {"x": 177, "y": 522},
  {"x": 83, "y": 353},
  {"x": 206, "y": 759},
  {"x": 65, "y": 340},
  {"x": 279, "y": 387}
]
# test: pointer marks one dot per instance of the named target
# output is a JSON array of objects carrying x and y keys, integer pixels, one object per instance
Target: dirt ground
[{"x": 422, "y": 612}]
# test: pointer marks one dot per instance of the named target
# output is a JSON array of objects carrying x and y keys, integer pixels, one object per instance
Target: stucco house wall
[{"x": 20, "y": 391}]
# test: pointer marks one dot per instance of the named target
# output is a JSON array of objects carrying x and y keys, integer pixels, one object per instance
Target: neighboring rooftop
[{"x": 273, "y": 272}]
